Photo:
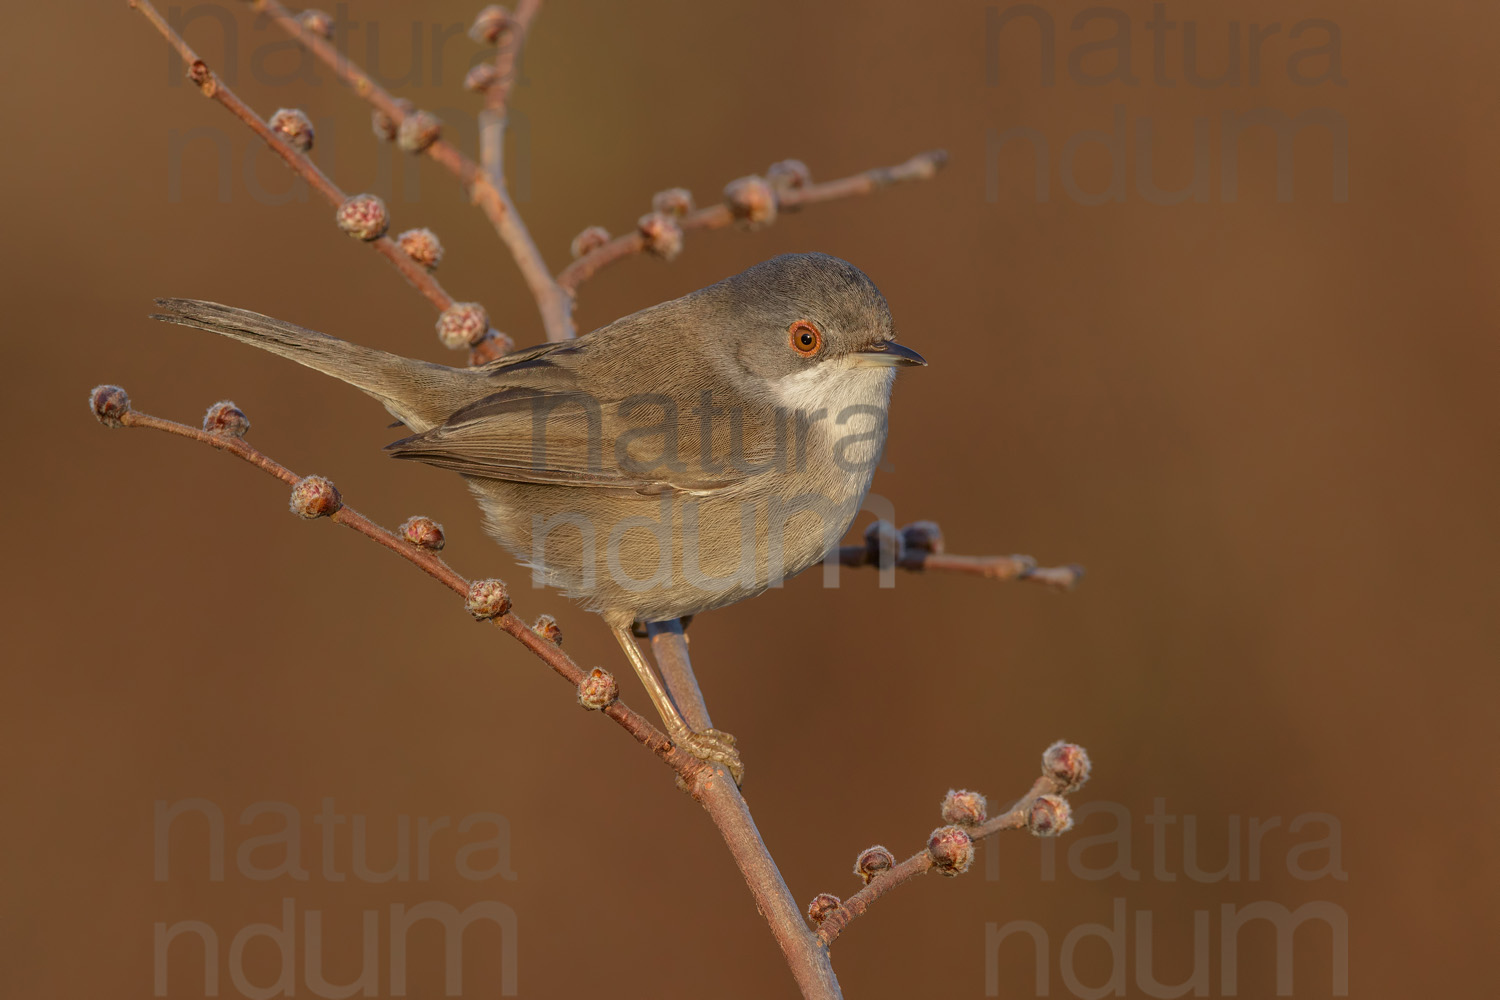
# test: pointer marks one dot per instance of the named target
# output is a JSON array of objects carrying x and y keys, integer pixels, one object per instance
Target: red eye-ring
[{"x": 806, "y": 340}]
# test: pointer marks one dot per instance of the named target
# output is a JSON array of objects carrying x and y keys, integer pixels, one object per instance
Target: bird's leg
[{"x": 711, "y": 745}]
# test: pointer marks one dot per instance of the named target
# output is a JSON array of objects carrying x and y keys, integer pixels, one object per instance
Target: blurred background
[{"x": 1262, "y": 416}]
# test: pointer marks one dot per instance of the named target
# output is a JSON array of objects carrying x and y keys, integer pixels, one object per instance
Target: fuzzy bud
[
  {"x": 663, "y": 235},
  {"x": 964, "y": 808},
  {"x": 589, "y": 240},
  {"x": 422, "y": 246},
  {"x": 293, "y": 128},
  {"x": 1049, "y": 815},
  {"x": 489, "y": 24},
  {"x": 883, "y": 544},
  {"x": 872, "y": 861},
  {"x": 424, "y": 533},
  {"x": 822, "y": 907},
  {"x": 546, "y": 626},
  {"x": 675, "y": 202},
  {"x": 922, "y": 536},
  {"x": 1067, "y": 764},
  {"x": 314, "y": 496},
  {"x": 226, "y": 419},
  {"x": 383, "y": 125},
  {"x": 318, "y": 22},
  {"x": 951, "y": 849},
  {"x": 109, "y": 403},
  {"x": 481, "y": 78},
  {"x": 417, "y": 131},
  {"x": 487, "y": 599},
  {"x": 363, "y": 216},
  {"x": 598, "y": 690},
  {"x": 752, "y": 200},
  {"x": 462, "y": 324},
  {"x": 789, "y": 174}
]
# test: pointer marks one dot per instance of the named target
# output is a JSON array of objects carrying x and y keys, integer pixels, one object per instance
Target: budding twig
[
  {"x": 419, "y": 542},
  {"x": 489, "y": 194},
  {"x": 835, "y": 919},
  {"x": 511, "y": 36},
  {"x": 918, "y": 547},
  {"x": 107, "y": 405},
  {"x": 211, "y": 86},
  {"x": 722, "y": 214}
]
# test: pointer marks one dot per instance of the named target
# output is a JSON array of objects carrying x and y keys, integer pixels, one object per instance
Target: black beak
[{"x": 889, "y": 354}]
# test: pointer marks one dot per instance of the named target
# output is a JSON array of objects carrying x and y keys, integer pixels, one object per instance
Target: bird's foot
[{"x": 714, "y": 746}]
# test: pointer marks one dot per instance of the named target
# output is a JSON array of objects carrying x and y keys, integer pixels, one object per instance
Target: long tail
[{"x": 419, "y": 394}]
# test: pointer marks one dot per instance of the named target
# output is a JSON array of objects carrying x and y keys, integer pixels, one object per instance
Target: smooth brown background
[{"x": 1268, "y": 429}]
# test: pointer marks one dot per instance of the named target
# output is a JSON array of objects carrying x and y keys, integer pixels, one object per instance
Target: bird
[{"x": 677, "y": 460}]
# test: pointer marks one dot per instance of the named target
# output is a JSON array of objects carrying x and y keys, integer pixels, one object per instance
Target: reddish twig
[
  {"x": 922, "y": 862},
  {"x": 709, "y": 784},
  {"x": 493, "y": 119},
  {"x": 211, "y": 86},
  {"x": 691, "y": 769},
  {"x": 491, "y": 197},
  {"x": 718, "y": 216},
  {"x": 918, "y": 548}
]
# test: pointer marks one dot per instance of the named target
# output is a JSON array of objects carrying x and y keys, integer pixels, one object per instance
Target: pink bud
[
  {"x": 822, "y": 907},
  {"x": 598, "y": 690},
  {"x": 1067, "y": 764},
  {"x": 314, "y": 496},
  {"x": 951, "y": 849},
  {"x": 1049, "y": 815},
  {"x": 872, "y": 861},
  {"x": 965, "y": 808},
  {"x": 462, "y": 324},
  {"x": 226, "y": 419},
  {"x": 487, "y": 599},
  {"x": 363, "y": 216},
  {"x": 424, "y": 533}
]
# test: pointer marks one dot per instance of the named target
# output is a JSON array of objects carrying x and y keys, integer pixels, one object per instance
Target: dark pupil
[{"x": 806, "y": 339}]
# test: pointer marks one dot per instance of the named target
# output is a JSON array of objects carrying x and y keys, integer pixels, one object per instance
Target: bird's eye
[{"x": 806, "y": 340}]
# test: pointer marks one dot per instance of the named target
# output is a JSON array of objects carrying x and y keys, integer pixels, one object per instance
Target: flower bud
[
  {"x": 383, "y": 125},
  {"x": 883, "y": 544},
  {"x": 363, "y": 216},
  {"x": 226, "y": 419},
  {"x": 292, "y": 127},
  {"x": 1049, "y": 815},
  {"x": 422, "y": 246},
  {"x": 489, "y": 24},
  {"x": 317, "y": 22},
  {"x": 462, "y": 324},
  {"x": 675, "y": 202},
  {"x": 822, "y": 907},
  {"x": 789, "y": 174},
  {"x": 481, "y": 78},
  {"x": 589, "y": 240},
  {"x": 314, "y": 496},
  {"x": 964, "y": 808},
  {"x": 951, "y": 849},
  {"x": 752, "y": 200},
  {"x": 487, "y": 599},
  {"x": 663, "y": 235},
  {"x": 1067, "y": 764},
  {"x": 417, "y": 131},
  {"x": 598, "y": 690},
  {"x": 109, "y": 403},
  {"x": 922, "y": 536},
  {"x": 546, "y": 626},
  {"x": 424, "y": 533},
  {"x": 872, "y": 861}
]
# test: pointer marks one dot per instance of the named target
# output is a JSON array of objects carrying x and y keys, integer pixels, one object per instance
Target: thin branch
[
  {"x": 718, "y": 216},
  {"x": 493, "y": 119},
  {"x": 918, "y": 547},
  {"x": 690, "y": 768},
  {"x": 211, "y": 86},
  {"x": 991, "y": 567},
  {"x": 709, "y": 784},
  {"x": 922, "y": 862},
  {"x": 492, "y": 198},
  {"x": 805, "y": 955}
]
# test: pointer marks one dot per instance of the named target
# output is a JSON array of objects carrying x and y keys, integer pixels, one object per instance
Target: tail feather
[{"x": 419, "y": 394}]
